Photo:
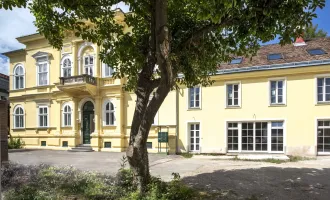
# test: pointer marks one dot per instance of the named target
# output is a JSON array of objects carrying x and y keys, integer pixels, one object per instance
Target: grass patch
[
  {"x": 55, "y": 183},
  {"x": 187, "y": 155},
  {"x": 277, "y": 161}
]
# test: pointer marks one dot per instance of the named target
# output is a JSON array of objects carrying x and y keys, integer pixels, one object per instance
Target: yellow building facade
[{"x": 277, "y": 103}]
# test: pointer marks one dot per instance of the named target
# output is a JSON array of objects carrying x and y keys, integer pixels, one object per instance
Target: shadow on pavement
[{"x": 272, "y": 183}]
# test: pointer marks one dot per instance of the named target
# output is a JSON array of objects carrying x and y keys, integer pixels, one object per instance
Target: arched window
[
  {"x": 18, "y": 77},
  {"x": 66, "y": 67},
  {"x": 67, "y": 111},
  {"x": 18, "y": 117},
  {"x": 109, "y": 118}
]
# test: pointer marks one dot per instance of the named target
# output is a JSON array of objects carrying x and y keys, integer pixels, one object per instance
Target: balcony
[{"x": 78, "y": 85}]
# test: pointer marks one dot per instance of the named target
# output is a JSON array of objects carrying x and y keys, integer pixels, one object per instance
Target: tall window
[
  {"x": 323, "y": 136},
  {"x": 67, "y": 115},
  {"x": 277, "y": 136},
  {"x": 42, "y": 73},
  {"x": 233, "y": 94},
  {"x": 18, "y": 117},
  {"x": 19, "y": 77},
  {"x": 88, "y": 65},
  {"x": 107, "y": 70},
  {"x": 109, "y": 114},
  {"x": 66, "y": 67},
  {"x": 194, "y": 136},
  {"x": 277, "y": 92},
  {"x": 232, "y": 134},
  {"x": 43, "y": 116},
  {"x": 323, "y": 89},
  {"x": 194, "y": 97}
]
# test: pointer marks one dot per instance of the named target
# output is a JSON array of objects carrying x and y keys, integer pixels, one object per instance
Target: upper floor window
[
  {"x": 88, "y": 65},
  {"x": 67, "y": 115},
  {"x": 107, "y": 70},
  {"x": 233, "y": 94},
  {"x": 275, "y": 56},
  {"x": 236, "y": 61},
  {"x": 43, "y": 116},
  {"x": 323, "y": 89},
  {"x": 18, "y": 77},
  {"x": 43, "y": 73},
  {"x": 109, "y": 115},
  {"x": 194, "y": 97},
  {"x": 18, "y": 117},
  {"x": 277, "y": 92},
  {"x": 66, "y": 67},
  {"x": 316, "y": 52}
]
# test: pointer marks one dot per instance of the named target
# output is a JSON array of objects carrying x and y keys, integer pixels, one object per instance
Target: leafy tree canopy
[
  {"x": 312, "y": 31},
  {"x": 203, "y": 33}
]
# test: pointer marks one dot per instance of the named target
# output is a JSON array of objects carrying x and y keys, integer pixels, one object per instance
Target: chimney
[{"x": 299, "y": 42}]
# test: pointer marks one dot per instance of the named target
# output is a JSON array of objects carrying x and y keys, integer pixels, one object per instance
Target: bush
[
  {"x": 43, "y": 182},
  {"x": 187, "y": 155},
  {"x": 17, "y": 143}
]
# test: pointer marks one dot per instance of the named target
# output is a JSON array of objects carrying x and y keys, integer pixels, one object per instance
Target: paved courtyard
[{"x": 308, "y": 179}]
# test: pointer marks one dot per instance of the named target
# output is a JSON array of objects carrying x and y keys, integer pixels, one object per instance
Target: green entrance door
[{"x": 87, "y": 122}]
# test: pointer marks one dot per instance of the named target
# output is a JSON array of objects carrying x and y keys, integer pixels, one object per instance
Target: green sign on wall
[{"x": 162, "y": 136}]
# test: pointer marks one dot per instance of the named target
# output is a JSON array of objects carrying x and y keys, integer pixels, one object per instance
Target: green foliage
[
  {"x": 44, "y": 182},
  {"x": 187, "y": 155},
  {"x": 203, "y": 33},
  {"x": 17, "y": 143},
  {"x": 312, "y": 31}
]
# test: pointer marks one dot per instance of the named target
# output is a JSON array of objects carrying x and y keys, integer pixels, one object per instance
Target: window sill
[
  {"x": 277, "y": 105},
  {"x": 18, "y": 129},
  {"x": 41, "y": 86},
  {"x": 322, "y": 103},
  {"x": 17, "y": 90},
  {"x": 233, "y": 107},
  {"x": 109, "y": 126},
  {"x": 197, "y": 108},
  {"x": 66, "y": 126}
]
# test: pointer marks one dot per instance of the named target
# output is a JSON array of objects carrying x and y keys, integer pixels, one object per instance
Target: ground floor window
[
  {"x": 194, "y": 129},
  {"x": 255, "y": 136},
  {"x": 323, "y": 136}
]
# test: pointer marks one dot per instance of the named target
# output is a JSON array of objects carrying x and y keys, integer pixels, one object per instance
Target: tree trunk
[{"x": 146, "y": 110}]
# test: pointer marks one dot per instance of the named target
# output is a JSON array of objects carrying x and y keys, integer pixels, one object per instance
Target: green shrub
[
  {"x": 17, "y": 143},
  {"x": 187, "y": 155}
]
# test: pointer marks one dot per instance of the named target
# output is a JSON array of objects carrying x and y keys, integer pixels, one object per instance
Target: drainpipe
[{"x": 177, "y": 121}]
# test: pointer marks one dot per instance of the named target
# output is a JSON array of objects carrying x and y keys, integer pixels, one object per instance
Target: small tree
[
  {"x": 312, "y": 31},
  {"x": 189, "y": 37}
]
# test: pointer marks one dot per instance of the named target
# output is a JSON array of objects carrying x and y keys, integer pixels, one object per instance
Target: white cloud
[{"x": 4, "y": 65}]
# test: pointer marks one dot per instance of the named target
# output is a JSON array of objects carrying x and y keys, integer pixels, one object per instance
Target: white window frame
[
  {"x": 105, "y": 112},
  {"x": 104, "y": 70},
  {"x": 67, "y": 57},
  {"x": 269, "y": 128},
  {"x": 316, "y": 137},
  {"x": 21, "y": 75},
  {"x": 92, "y": 66},
  {"x": 38, "y": 116},
  {"x": 189, "y": 137},
  {"x": 239, "y": 94},
  {"x": 19, "y": 115},
  {"x": 200, "y": 98},
  {"x": 324, "y": 76},
  {"x": 283, "y": 92},
  {"x": 40, "y": 63},
  {"x": 67, "y": 113}
]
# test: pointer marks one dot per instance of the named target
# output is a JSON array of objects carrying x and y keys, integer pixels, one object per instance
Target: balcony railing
[{"x": 85, "y": 78}]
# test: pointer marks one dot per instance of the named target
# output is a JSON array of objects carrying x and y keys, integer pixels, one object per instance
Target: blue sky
[{"x": 22, "y": 21}]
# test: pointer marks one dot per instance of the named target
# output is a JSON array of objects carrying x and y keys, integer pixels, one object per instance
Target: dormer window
[
  {"x": 236, "y": 61},
  {"x": 275, "y": 56},
  {"x": 314, "y": 52}
]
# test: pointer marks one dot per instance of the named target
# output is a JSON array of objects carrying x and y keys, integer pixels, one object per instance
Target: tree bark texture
[{"x": 146, "y": 109}]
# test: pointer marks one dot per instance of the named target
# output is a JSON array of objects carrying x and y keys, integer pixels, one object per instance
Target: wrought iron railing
[{"x": 85, "y": 78}]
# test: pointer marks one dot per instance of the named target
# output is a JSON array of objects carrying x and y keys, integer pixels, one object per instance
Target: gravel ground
[{"x": 304, "y": 180}]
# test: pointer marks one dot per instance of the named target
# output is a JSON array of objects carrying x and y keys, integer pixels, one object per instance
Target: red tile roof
[
  {"x": 290, "y": 54},
  {"x": 4, "y": 76}
]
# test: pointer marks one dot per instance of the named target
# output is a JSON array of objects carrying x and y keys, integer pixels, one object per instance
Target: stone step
[{"x": 82, "y": 148}]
